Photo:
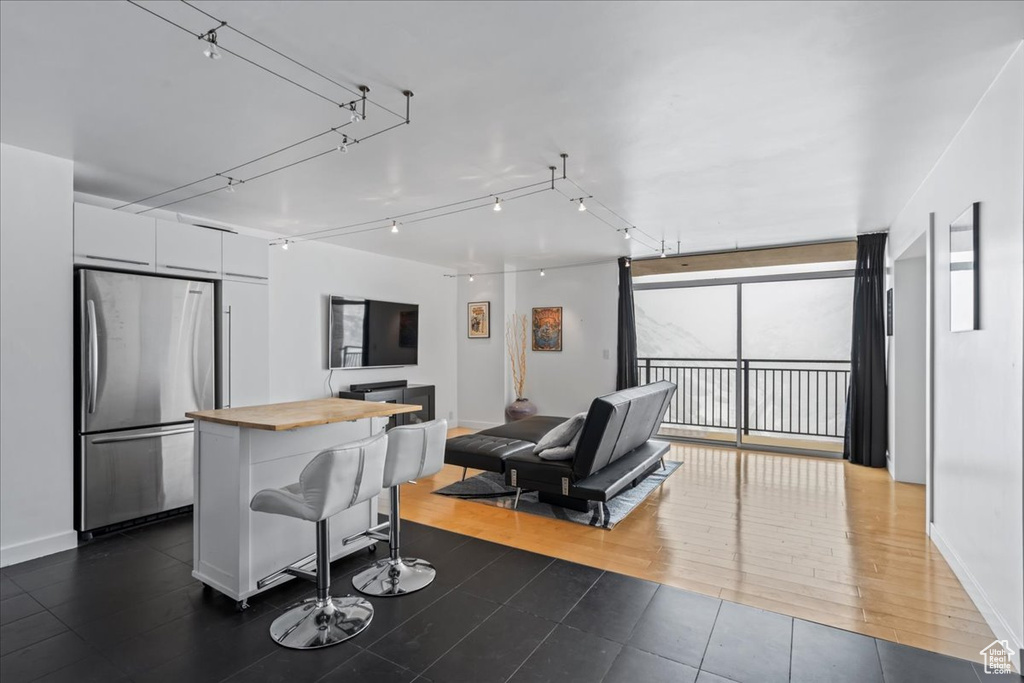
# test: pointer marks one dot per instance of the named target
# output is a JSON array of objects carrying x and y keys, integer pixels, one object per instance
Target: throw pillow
[
  {"x": 562, "y": 434},
  {"x": 566, "y": 452}
]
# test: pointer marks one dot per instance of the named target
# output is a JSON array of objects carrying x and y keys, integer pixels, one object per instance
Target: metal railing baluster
[{"x": 774, "y": 397}]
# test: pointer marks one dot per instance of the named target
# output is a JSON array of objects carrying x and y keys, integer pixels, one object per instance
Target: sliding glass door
[
  {"x": 795, "y": 362},
  {"x": 688, "y": 336},
  {"x": 761, "y": 361}
]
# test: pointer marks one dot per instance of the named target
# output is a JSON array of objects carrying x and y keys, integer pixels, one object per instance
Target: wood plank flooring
[{"x": 814, "y": 538}]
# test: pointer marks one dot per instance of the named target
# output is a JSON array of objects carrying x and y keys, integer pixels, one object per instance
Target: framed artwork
[
  {"x": 964, "y": 271},
  {"x": 547, "y": 328},
  {"x": 479, "y": 320}
]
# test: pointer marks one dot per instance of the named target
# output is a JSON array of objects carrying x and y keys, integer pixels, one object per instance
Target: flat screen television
[{"x": 365, "y": 333}]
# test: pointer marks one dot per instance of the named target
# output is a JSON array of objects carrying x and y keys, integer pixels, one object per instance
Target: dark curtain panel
[
  {"x": 867, "y": 413},
  {"x": 626, "y": 375}
]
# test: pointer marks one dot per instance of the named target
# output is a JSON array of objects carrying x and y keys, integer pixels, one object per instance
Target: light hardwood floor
[{"x": 814, "y": 538}]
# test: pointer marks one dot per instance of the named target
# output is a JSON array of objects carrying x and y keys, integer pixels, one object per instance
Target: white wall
[
  {"x": 36, "y": 355},
  {"x": 301, "y": 280},
  {"x": 558, "y": 382},
  {"x": 482, "y": 362},
  {"x": 977, "y": 474},
  {"x": 565, "y": 382}
]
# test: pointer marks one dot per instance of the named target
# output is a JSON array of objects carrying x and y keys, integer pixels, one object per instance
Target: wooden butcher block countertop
[{"x": 282, "y": 416}]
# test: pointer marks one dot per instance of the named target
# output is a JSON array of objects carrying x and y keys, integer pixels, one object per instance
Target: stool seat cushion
[
  {"x": 414, "y": 451},
  {"x": 286, "y": 501},
  {"x": 336, "y": 479}
]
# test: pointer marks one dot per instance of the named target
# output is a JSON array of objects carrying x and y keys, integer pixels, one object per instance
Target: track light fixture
[
  {"x": 626, "y": 235},
  {"x": 343, "y": 147},
  {"x": 582, "y": 206},
  {"x": 211, "y": 51},
  {"x": 210, "y": 37},
  {"x": 394, "y": 226},
  {"x": 354, "y": 116},
  {"x": 542, "y": 272},
  {"x": 497, "y": 204},
  {"x": 232, "y": 182},
  {"x": 663, "y": 249},
  {"x": 285, "y": 245},
  {"x": 471, "y": 277}
]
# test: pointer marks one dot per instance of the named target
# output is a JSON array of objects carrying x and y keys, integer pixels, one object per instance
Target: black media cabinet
[{"x": 415, "y": 394}]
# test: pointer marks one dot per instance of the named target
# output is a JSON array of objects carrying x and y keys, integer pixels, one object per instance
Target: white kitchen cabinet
[
  {"x": 187, "y": 250},
  {"x": 114, "y": 239},
  {"x": 245, "y": 349},
  {"x": 245, "y": 258}
]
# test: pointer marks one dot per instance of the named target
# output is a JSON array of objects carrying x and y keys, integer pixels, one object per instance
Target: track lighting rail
[
  {"x": 362, "y": 89},
  {"x": 356, "y": 109},
  {"x": 210, "y": 37},
  {"x": 493, "y": 200}
]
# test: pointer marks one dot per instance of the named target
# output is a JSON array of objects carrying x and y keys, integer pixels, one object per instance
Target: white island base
[{"x": 236, "y": 547}]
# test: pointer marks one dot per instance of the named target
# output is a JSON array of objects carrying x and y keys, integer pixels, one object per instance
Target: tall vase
[{"x": 519, "y": 409}]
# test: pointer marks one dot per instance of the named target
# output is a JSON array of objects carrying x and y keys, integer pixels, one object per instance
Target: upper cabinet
[
  {"x": 105, "y": 238},
  {"x": 114, "y": 239},
  {"x": 187, "y": 250},
  {"x": 245, "y": 259}
]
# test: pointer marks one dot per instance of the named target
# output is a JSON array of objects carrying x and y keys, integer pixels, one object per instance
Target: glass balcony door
[
  {"x": 758, "y": 361},
  {"x": 795, "y": 362},
  {"x": 688, "y": 336}
]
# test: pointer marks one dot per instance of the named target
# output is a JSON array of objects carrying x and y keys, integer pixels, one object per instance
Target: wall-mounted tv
[{"x": 365, "y": 333}]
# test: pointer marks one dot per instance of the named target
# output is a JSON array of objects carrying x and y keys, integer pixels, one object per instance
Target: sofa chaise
[{"x": 615, "y": 449}]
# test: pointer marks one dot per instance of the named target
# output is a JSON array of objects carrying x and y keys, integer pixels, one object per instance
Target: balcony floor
[{"x": 828, "y": 445}]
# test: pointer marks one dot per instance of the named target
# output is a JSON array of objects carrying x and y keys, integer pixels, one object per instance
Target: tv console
[{"x": 398, "y": 391}]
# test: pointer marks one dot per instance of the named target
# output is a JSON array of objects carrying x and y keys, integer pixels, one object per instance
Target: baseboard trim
[
  {"x": 38, "y": 547},
  {"x": 472, "y": 424},
  {"x": 989, "y": 613}
]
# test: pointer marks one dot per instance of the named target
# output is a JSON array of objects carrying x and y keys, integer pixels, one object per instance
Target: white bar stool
[
  {"x": 414, "y": 451},
  {"x": 336, "y": 479}
]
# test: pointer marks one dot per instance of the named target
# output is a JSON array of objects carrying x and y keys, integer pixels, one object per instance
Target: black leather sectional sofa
[{"x": 615, "y": 449}]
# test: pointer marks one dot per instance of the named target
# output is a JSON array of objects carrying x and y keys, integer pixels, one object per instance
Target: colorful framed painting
[
  {"x": 547, "y": 328},
  {"x": 479, "y": 320}
]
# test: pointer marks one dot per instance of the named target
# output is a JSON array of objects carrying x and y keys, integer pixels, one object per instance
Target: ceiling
[{"x": 716, "y": 125}]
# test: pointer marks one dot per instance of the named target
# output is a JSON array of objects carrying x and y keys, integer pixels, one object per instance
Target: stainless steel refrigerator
[{"x": 144, "y": 357}]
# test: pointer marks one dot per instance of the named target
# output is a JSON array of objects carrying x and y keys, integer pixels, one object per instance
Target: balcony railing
[{"x": 799, "y": 397}]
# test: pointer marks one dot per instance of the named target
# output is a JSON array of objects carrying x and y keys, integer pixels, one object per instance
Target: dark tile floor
[{"x": 125, "y": 608}]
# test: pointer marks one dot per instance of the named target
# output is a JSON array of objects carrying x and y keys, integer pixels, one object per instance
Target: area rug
[{"x": 489, "y": 488}]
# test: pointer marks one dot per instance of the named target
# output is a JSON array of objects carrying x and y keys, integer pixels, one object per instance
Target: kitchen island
[{"x": 239, "y": 451}]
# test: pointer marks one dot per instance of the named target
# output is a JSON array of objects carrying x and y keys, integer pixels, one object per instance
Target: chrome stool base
[
  {"x": 313, "y": 624},
  {"x": 388, "y": 578}
]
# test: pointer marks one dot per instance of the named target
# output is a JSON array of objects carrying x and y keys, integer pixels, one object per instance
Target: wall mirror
[{"x": 964, "y": 273}]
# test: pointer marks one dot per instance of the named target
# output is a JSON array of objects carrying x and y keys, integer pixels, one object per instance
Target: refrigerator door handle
[
  {"x": 227, "y": 365},
  {"x": 138, "y": 437},
  {"x": 94, "y": 355}
]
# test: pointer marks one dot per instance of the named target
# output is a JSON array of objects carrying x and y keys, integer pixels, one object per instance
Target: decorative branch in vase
[{"x": 515, "y": 342}]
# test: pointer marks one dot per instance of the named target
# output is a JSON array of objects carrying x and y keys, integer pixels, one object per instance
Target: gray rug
[{"x": 489, "y": 488}]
